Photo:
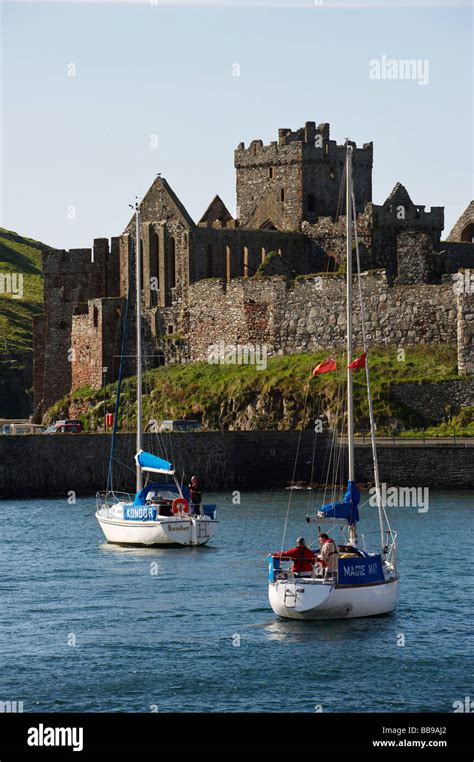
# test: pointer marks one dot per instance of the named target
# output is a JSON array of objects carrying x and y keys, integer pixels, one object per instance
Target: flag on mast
[
  {"x": 359, "y": 362},
  {"x": 326, "y": 366}
]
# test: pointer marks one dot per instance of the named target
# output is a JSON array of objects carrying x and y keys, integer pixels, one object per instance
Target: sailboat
[
  {"x": 160, "y": 513},
  {"x": 365, "y": 582}
]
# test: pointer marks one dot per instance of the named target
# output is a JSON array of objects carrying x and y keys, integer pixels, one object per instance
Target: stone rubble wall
[{"x": 310, "y": 314}]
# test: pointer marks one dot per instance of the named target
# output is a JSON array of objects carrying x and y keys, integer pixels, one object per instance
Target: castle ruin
[{"x": 253, "y": 277}]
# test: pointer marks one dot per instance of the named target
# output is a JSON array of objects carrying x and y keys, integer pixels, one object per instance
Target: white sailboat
[
  {"x": 160, "y": 513},
  {"x": 365, "y": 583}
]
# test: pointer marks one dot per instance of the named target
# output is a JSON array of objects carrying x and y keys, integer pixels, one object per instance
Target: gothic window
[
  {"x": 172, "y": 262},
  {"x": 417, "y": 214},
  {"x": 227, "y": 263},
  {"x": 263, "y": 254}
]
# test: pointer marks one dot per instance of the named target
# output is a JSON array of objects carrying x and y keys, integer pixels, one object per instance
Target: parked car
[
  {"x": 64, "y": 428},
  {"x": 71, "y": 422},
  {"x": 180, "y": 426},
  {"x": 22, "y": 428}
]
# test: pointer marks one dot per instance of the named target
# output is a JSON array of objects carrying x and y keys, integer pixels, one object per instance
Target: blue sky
[{"x": 77, "y": 150}]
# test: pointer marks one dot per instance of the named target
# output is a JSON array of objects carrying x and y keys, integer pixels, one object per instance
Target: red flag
[
  {"x": 358, "y": 363},
  {"x": 326, "y": 366}
]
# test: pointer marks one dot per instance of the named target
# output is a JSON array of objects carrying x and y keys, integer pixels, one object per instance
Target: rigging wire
[
  {"x": 295, "y": 464},
  {"x": 380, "y": 506}
]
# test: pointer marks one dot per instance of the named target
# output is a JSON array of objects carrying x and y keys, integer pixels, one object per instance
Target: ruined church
[{"x": 251, "y": 277}]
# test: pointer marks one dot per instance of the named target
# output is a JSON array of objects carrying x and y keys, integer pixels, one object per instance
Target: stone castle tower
[{"x": 297, "y": 178}]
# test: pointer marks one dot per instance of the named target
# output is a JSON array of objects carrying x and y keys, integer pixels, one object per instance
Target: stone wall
[
  {"x": 40, "y": 466},
  {"x": 309, "y": 314},
  {"x": 435, "y": 401},
  {"x": 70, "y": 277},
  {"x": 95, "y": 342},
  {"x": 465, "y": 327}
]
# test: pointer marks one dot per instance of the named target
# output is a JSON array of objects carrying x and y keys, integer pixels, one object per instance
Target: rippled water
[{"x": 159, "y": 629}]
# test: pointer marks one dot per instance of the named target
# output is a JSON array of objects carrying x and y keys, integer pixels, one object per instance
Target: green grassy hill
[
  {"x": 242, "y": 397},
  {"x": 19, "y": 256}
]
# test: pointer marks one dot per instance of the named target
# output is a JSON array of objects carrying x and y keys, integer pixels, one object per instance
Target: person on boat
[
  {"x": 195, "y": 496},
  {"x": 303, "y": 557},
  {"x": 328, "y": 554}
]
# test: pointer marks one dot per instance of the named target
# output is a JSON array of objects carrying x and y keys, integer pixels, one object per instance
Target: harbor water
[{"x": 86, "y": 626}]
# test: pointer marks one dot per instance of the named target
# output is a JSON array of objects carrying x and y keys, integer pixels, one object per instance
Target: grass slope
[
  {"x": 20, "y": 255},
  {"x": 230, "y": 396}
]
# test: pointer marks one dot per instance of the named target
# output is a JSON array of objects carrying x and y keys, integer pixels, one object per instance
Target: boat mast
[
  {"x": 350, "y": 399},
  {"x": 138, "y": 282}
]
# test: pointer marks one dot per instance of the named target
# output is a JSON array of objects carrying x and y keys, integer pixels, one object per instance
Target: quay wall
[{"x": 51, "y": 466}]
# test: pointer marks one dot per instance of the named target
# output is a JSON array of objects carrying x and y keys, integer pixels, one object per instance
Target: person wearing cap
[
  {"x": 328, "y": 554},
  {"x": 195, "y": 496},
  {"x": 303, "y": 557}
]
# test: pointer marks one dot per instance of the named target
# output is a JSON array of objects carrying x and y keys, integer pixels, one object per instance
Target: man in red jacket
[{"x": 303, "y": 558}]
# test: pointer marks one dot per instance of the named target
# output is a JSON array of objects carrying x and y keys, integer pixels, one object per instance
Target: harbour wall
[{"x": 55, "y": 465}]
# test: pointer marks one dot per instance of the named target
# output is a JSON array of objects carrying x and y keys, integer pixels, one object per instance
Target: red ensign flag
[
  {"x": 326, "y": 366},
  {"x": 358, "y": 363}
]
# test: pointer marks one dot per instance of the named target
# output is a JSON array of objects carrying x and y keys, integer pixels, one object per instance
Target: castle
[{"x": 252, "y": 278}]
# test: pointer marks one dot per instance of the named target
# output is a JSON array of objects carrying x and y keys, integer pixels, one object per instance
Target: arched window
[
  {"x": 172, "y": 262},
  {"x": 227, "y": 263},
  {"x": 467, "y": 234},
  {"x": 263, "y": 254}
]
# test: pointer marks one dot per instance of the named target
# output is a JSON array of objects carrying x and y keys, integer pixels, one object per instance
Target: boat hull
[
  {"x": 186, "y": 531},
  {"x": 306, "y": 599}
]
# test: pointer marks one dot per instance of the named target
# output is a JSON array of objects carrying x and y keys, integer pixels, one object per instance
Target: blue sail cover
[
  {"x": 348, "y": 509},
  {"x": 141, "y": 497},
  {"x": 149, "y": 462}
]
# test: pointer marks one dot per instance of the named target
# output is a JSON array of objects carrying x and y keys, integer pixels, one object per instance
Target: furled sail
[
  {"x": 348, "y": 509},
  {"x": 149, "y": 462}
]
